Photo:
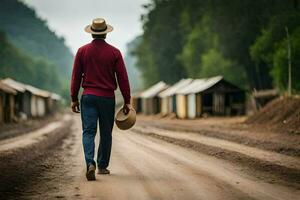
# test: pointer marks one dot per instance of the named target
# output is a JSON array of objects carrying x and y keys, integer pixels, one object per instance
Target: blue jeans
[{"x": 92, "y": 109}]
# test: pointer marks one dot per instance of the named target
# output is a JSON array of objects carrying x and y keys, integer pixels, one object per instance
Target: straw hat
[
  {"x": 123, "y": 121},
  {"x": 98, "y": 27}
]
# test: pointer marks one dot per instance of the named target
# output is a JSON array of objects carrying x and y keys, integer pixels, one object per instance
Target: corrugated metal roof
[
  {"x": 37, "y": 91},
  {"x": 20, "y": 87},
  {"x": 154, "y": 90},
  {"x": 174, "y": 88},
  {"x": 199, "y": 85},
  {"x": 7, "y": 89}
]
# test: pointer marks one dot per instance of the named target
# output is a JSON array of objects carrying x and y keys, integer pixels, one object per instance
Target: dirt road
[{"x": 145, "y": 167}]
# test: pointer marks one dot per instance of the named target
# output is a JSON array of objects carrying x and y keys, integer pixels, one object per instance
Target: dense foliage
[
  {"x": 36, "y": 55},
  {"x": 245, "y": 41}
]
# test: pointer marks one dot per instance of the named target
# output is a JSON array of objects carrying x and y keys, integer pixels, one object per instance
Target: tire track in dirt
[
  {"x": 177, "y": 179},
  {"x": 255, "y": 188},
  {"x": 269, "y": 156},
  {"x": 268, "y": 170},
  {"x": 229, "y": 133}
]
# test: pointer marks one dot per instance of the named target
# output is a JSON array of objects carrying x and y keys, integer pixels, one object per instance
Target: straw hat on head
[
  {"x": 125, "y": 122},
  {"x": 98, "y": 27}
]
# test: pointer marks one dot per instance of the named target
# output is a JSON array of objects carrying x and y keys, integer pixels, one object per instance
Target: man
[{"x": 98, "y": 66}]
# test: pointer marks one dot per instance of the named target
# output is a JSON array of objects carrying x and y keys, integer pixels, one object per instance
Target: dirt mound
[{"x": 282, "y": 114}]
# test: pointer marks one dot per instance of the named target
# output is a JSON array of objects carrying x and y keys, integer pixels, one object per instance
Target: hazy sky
[{"x": 69, "y": 17}]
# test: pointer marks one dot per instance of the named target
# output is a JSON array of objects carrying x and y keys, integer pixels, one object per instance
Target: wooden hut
[
  {"x": 38, "y": 101},
  {"x": 30, "y": 101},
  {"x": 22, "y": 98},
  {"x": 7, "y": 103},
  {"x": 214, "y": 96},
  {"x": 168, "y": 97},
  {"x": 150, "y": 100}
]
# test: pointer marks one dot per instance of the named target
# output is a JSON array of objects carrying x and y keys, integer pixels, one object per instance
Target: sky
[{"x": 69, "y": 17}]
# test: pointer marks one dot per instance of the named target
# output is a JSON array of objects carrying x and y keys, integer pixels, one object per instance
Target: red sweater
[{"x": 98, "y": 66}]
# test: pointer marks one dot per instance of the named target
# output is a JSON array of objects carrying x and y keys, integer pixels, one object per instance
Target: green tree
[
  {"x": 161, "y": 43},
  {"x": 214, "y": 63},
  {"x": 195, "y": 46},
  {"x": 270, "y": 48}
]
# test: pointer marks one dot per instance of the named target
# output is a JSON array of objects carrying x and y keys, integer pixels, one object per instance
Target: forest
[
  {"x": 30, "y": 52},
  {"x": 245, "y": 41}
]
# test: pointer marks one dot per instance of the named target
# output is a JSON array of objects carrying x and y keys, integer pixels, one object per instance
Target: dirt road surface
[{"x": 145, "y": 167}]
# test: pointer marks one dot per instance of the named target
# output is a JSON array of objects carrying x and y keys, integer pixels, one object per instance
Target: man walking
[{"x": 98, "y": 66}]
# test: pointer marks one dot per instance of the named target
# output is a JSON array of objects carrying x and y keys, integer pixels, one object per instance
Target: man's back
[{"x": 99, "y": 63}]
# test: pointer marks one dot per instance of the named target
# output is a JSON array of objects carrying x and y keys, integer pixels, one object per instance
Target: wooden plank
[{"x": 198, "y": 105}]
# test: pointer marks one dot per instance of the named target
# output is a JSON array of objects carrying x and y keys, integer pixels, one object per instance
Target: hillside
[
  {"x": 32, "y": 35},
  {"x": 22, "y": 67}
]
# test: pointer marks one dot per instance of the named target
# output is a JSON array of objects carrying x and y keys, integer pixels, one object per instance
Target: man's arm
[
  {"x": 123, "y": 81},
  {"x": 76, "y": 81}
]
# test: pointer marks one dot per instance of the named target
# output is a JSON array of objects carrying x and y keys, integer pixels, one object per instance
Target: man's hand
[
  {"x": 75, "y": 107},
  {"x": 126, "y": 108}
]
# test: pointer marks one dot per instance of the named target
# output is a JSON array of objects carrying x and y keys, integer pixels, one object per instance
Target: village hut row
[
  {"x": 21, "y": 101},
  {"x": 192, "y": 98}
]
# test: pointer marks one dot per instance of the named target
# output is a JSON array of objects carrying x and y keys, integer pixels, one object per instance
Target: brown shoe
[
  {"x": 90, "y": 174},
  {"x": 103, "y": 171}
]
